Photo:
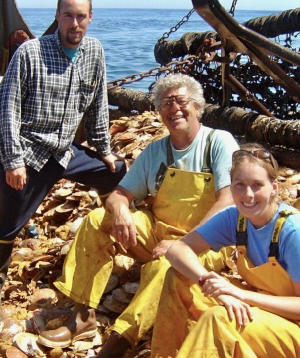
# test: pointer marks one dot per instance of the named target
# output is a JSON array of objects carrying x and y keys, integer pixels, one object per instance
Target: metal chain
[
  {"x": 155, "y": 71},
  {"x": 176, "y": 27},
  {"x": 232, "y": 9}
]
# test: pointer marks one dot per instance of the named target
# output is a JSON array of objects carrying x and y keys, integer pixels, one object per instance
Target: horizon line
[{"x": 148, "y": 8}]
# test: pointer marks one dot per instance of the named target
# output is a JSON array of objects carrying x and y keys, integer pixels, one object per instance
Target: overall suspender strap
[
  {"x": 170, "y": 158},
  {"x": 206, "y": 168},
  {"x": 241, "y": 233},
  {"x": 163, "y": 167},
  {"x": 283, "y": 215},
  {"x": 274, "y": 250}
]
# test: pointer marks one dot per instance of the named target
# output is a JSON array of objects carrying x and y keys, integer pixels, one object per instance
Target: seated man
[{"x": 176, "y": 171}]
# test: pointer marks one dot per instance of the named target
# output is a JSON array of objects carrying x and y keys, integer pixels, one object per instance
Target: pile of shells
[
  {"x": 31, "y": 303},
  {"x": 131, "y": 135}
]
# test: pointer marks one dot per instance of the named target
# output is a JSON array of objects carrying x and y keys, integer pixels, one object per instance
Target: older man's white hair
[{"x": 179, "y": 80}]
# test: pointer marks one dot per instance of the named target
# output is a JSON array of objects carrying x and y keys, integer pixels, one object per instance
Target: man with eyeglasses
[{"x": 187, "y": 175}]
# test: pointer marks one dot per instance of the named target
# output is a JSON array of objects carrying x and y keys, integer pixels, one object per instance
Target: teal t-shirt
[
  {"x": 140, "y": 179},
  {"x": 71, "y": 53}
]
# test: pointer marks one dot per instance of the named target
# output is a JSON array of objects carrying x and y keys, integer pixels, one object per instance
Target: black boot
[
  {"x": 115, "y": 347},
  {"x": 5, "y": 254}
]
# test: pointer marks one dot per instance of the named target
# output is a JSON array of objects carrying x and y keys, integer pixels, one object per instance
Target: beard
[{"x": 74, "y": 40}]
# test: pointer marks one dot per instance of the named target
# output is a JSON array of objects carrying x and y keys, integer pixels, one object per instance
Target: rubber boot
[
  {"x": 5, "y": 255},
  {"x": 115, "y": 347},
  {"x": 81, "y": 324}
]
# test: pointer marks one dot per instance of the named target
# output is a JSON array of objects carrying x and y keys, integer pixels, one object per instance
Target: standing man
[{"x": 50, "y": 84}]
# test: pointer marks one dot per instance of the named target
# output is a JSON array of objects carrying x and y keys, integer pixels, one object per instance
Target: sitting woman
[{"x": 222, "y": 316}]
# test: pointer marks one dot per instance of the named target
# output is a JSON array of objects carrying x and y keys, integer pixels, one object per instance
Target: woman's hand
[
  {"x": 162, "y": 248},
  {"x": 215, "y": 285},
  {"x": 228, "y": 295},
  {"x": 237, "y": 309}
]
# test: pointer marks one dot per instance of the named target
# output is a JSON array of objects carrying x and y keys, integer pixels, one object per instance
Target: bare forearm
[
  {"x": 218, "y": 206},
  {"x": 288, "y": 307},
  {"x": 116, "y": 199},
  {"x": 223, "y": 199},
  {"x": 185, "y": 261}
]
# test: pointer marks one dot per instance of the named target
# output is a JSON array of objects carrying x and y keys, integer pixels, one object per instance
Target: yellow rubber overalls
[
  {"x": 181, "y": 202},
  {"x": 214, "y": 335}
]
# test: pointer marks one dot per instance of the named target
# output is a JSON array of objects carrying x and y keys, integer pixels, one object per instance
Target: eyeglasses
[
  {"x": 167, "y": 103},
  {"x": 259, "y": 153}
]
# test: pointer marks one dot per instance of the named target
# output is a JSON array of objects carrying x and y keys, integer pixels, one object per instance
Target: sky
[{"x": 171, "y": 4}]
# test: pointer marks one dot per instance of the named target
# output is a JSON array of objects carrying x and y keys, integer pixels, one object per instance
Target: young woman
[{"x": 257, "y": 318}]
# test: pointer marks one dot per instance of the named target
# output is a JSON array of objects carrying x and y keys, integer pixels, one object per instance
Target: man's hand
[
  {"x": 110, "y": 160},
  {"x": 123, "y": 227},
  {"x": 16, "y": 178},
  {"x": 162, "y": 248}
]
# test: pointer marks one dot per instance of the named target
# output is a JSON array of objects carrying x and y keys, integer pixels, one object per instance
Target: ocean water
[{"x": 129, "y": 35}]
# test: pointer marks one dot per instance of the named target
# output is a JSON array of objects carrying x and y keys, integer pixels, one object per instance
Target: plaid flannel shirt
[{"x": 43, "y": 99}]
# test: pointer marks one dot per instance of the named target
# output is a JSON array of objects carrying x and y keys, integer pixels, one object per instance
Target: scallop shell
[
  {"x": 32, "y": 244},
  {"x": 126, "y": 137},
  {"x": 22, "y": 254},
  {"x": 122, "y": 264},
  {"x": 79, "y": 194},
  {"x": 27, "y": 342},
  {"x": 75, "y": 225},
  {"x": 42, "y": 297},
  {"x": 294, "y": 179},
  {"x": 136, "y": 153},
  {"x": 287, "y": 172},
  {"x": 93, "y": 194},
  {"x": 66, "y": 248},
  {"x": 62, "y": 193},
  {"x": 65, "y": 208},
  {"x": 55, "y": 353},
  {"x": 14, "y": 352}
]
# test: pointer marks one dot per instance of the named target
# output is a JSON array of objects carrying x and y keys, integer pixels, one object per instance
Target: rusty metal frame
[{"x": 236, "y": 38}]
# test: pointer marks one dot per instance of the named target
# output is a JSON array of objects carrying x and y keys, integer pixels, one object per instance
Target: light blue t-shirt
[
  {"x": 140, "y": 179},
  {"x": 220, "y": 231}
]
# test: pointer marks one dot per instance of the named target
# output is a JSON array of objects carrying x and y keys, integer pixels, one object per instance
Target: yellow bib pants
[{"x": 182, "y": 201}]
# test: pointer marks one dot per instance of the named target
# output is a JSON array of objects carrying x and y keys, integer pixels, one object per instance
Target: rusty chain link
[
  {"x": 177, "y": 26},
  {"x": 155, "y": 71}
]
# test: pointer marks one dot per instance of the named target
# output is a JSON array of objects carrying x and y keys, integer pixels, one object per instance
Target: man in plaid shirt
[{"x": 50, "y": 84}]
